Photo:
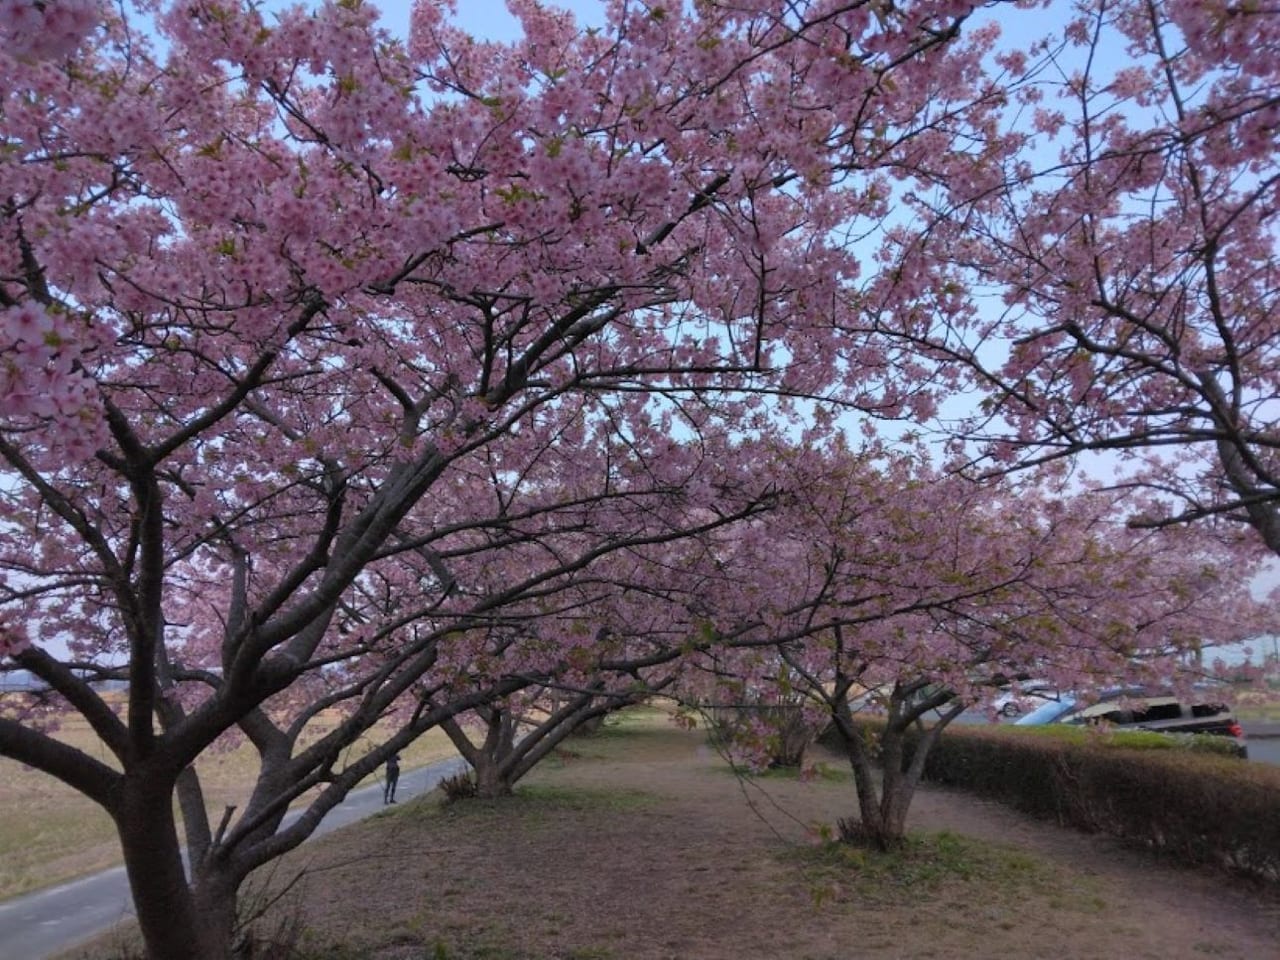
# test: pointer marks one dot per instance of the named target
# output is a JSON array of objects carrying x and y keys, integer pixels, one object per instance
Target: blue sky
[
  {"x": 490, "y": 18},
  {"x": 484, "y": 18}
]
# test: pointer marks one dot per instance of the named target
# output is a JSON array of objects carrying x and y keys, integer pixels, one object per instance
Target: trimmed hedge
[{"x": 1191, "y": 803}]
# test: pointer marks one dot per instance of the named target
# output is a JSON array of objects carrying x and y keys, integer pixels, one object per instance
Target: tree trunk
[
  {"x": 215, "y": 898},
  {"x": 883, "y": 801},
  {"x": 896, "y": 788},
  {"x": 883, "y": 812},
  {"x": 492, "y": 775},
  {"x": 896, "y": 791},
  {"x": 589, "y": 726},
  {"x": 882, "y": 807},
  {"x": 175, "y": 924},
  {"x": 492, "y": 761}
]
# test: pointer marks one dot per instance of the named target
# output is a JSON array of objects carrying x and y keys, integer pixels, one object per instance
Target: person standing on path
[{"x": 393, "y": 777}]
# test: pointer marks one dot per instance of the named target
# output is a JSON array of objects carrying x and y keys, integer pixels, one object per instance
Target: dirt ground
[{"x": 642, "y": 845}]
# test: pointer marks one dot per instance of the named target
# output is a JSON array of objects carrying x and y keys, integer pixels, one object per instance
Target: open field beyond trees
[
  {"x": 1262, "y": 707},
  {"x": 51, "y": 834},
  {"x": 640, "y": 843}
]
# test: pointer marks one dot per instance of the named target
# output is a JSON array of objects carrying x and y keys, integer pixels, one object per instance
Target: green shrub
[
  {"x": 777, "y": 733},
  {"x": 1175, "y": 795}
]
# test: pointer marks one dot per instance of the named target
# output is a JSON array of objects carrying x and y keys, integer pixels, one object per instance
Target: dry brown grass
[
  {"x": 49, "y": 833},
  {"x": 1262, "y": 706},
  {"x": 641, "y": 846}
]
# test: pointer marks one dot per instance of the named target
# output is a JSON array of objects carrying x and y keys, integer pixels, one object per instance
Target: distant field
[
  {"x": 50, "y": 834},
  {"x": 1259, "y": 708}
]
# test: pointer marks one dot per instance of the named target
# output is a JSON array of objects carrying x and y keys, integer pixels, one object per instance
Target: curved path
[{"x": 47, "y": 921}]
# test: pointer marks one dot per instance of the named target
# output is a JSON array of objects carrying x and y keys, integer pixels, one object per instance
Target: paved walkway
[
  {"x": 48, "y": 921},
  {"x": 1261, "y": 730}
]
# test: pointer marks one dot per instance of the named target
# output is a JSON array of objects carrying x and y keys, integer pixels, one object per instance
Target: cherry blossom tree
[
  {"x": 505, "y": 739},
  {"x": 1109, "y": 272},
  {"x": 634, "y": 617},
  {"x": 884, "y": 581},
  {"x": 301, "y": 326},
  {"x": 608, "y": 637}
]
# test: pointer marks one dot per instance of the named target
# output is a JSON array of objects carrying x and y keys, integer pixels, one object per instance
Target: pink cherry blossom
[{"x": 368, "y": 380}]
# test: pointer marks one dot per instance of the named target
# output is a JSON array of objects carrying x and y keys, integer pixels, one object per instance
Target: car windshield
[{"x": 1047, "y": 712}]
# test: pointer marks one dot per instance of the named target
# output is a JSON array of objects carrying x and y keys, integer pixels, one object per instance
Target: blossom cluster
[
  {"x": 42, "y": 385},
  {"x": 45, "y": 29}
]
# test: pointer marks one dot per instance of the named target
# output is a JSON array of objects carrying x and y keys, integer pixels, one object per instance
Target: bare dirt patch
[{"x": 644, "y": 846}]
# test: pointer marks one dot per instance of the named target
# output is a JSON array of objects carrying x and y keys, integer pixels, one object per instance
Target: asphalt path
[
  {"x": 1265, "y": 749},
  {"x": 48, "y": 921}
]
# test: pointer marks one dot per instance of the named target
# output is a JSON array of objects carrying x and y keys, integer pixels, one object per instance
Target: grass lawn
[{"x": 636, "y": 845}]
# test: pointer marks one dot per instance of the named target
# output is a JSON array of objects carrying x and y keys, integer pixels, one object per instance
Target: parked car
[
  {"x": 1143, "y": 710},
  {"x": 1027, "y": 695}
]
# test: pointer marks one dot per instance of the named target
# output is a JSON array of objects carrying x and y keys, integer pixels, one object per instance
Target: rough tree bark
[{"x": 885, "y": 795}]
